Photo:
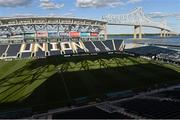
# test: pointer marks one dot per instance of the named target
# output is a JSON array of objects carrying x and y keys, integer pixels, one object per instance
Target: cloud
[
  {"x": 70, "y": 13},
  {"x": 133, "y": 1},
  {"x": 103, "y": 3},
  {"x": 178, "y": 17},
  {"x": 98, "y": 3},
  {"x": 72, "y": 10},
  {"x": 23, "y": 14},
  {"x": 48, "y": 4},
  {"x": 163, "y": 15},
  {"x": 14, "y": 3}
]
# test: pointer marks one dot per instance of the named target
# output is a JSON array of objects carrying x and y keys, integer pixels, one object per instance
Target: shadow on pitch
[{"x": 85, "y": 82}]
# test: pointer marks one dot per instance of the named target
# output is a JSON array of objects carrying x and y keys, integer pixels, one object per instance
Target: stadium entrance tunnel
[{"x": 54, "y": 82}]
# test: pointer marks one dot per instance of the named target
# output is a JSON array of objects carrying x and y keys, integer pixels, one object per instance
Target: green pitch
[{"x": 54, "y": 81}]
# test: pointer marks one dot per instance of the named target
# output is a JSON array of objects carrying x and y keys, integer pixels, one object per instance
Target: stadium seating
[
  {"x": 13, "y": 50},
  {"x": 79, "y": 50},
  {"x": 3, "y": 49},
  {"x": 54, "y": 52},
  {"x": 117, "y": 44},
  {"x": 26, "y": 54},
  {"x": 40, "y": 53},
  {"x": 100, "y": 45},
  {"x": 150, "y": 108},
  {"x": 89, "y": 45},
  {"x": 169, "y": 57},
  {"x": 149, "y": 50},
  {"x": 173, "y": 94},
  {"x": 109, "y": 44},
  {"x": 44, "y": 49},
  {"x": 89, "y": 113}
]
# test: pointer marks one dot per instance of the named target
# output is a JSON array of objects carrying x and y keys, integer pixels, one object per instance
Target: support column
[
  {"x": 135, "y": 32},
  {"x": 140, "y": 32},
  {"x": 165, "y": 33},
  {"x": 105, "y": 32},
  {"x": 161, "y": 33}
]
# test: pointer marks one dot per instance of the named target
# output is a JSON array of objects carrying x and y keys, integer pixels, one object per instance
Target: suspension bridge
[{"x": 138, "y": 19}]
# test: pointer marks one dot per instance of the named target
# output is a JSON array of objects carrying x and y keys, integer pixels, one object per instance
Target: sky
[{"x": 168, "y": 10}]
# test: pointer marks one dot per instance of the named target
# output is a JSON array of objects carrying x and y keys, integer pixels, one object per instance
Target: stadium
[
  {"x": 40, "y": 37},
  {"x": 53, "y": 67}
]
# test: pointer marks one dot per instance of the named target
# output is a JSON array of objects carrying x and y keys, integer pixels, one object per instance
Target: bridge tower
[
  {"x": 138, "y": 31},
  {"x": 164, "y": 33}
]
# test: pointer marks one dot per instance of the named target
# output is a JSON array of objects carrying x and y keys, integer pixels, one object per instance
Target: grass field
[{"x": 54, "y": 81}]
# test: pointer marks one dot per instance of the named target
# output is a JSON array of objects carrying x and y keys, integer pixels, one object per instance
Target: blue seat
[
  {"x": 13, "y": 50},
  {"x": 109, "y": 44},
  {"x": 79, "y": 50},
  {"x": 3, "y": 49},
  {"x": 26, "y": 54},
  {"x": 40, "y": 53},
  {"x": 99, "y": 45},
  {"x": 90, "y": 46},
  {"x": 117, "y": 44},
  {"x": 54, "y": 52}
]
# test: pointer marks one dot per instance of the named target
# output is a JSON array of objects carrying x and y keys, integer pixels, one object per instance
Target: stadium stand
[
  {"x": 3, "y": 49},
  {"x": 150, "y": 108},
  {"x": 70, "y": 51},
  {"x": 79, "y": 50},
  {"x": 149, "y": 50},
  {"x": 117, "y": 44},
  {"x": 40, "y": 53},
  {"x": 18, "y": 114},
  {"x": 169, "y": 57},
  {"x": 13, "y": 50},
  {"x": 89, "y": 113},
  {"x": 101, "y": 47},
  {"x": 26, "y": 54},
  {"x": 173, "y": 94},
  {"x": 44, "y": 49},
  {"x": 109, "y": 44},
  {"x": 54, "y": 52},
  {"x": 89, "y": 45}
]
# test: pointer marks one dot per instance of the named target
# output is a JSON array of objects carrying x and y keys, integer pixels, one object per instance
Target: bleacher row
[
  {"x": 160, "y": 105},
  {"x": 174, "y": 58},
  {"x": 42, "y": 50},
  {"x": 152, "y": 109},
  {"x": 150, "y": 50}
]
